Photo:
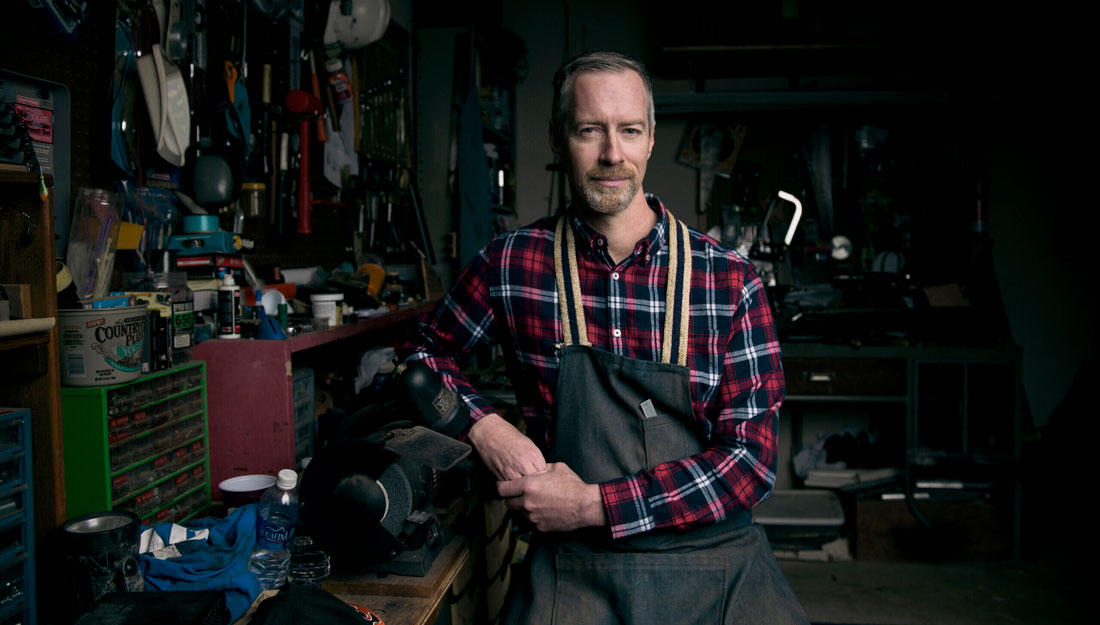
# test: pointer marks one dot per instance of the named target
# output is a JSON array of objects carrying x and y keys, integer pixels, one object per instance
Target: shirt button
[
  {"x": 615, "y": 275},
  {"x": 647, "y": 258},
  {"x": 599, "y": 242},
  {"x": 617, "y": 333}
]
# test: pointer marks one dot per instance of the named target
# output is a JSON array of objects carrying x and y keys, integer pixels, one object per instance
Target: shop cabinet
[
  {"x": 140, "y": 446},
  {"x": 261, "y": 391},
  {"x": 16, "y": 518},
  {"x": 955, "y": 414}
]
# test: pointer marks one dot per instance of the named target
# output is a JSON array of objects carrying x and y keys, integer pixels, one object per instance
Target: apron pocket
[
  {"x": 629, "y": 588},
  {"x": 668, "y": 438}
]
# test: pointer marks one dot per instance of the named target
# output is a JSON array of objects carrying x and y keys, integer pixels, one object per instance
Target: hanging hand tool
[
  {"x": 282, "y": 197},
  {"x": 231, "y": 80},
  {"x": 271, "y": 147},
  {"x": 308, "y": 106},
  {"x": 322, "y": 134}
]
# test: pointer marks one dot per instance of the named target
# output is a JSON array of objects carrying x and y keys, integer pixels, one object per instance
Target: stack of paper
[{"x": 839, "y": 478}]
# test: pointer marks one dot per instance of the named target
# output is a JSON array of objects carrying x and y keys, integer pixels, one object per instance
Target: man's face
[{"x": 607, "y": 140}]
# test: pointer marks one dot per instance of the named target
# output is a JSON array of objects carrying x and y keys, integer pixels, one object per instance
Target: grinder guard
[{"x": 366, "y": 496}]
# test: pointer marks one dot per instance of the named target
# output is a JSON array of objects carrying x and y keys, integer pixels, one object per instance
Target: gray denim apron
[{"x": 718, "y": 573}]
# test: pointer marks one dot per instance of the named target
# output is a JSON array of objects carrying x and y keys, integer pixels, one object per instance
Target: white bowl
[{"x": 244, "y": 489}]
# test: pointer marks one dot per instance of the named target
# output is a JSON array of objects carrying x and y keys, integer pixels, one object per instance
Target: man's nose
[{"x": 611, "y": 152}]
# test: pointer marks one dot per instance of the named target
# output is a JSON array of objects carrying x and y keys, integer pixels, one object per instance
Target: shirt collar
[{"x": 589, "y": 239}]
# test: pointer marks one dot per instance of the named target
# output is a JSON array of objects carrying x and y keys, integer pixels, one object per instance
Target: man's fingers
[{"x": 510, "y": 488}]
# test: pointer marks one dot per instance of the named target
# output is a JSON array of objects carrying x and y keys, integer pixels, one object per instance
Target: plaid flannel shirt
[{"x": 507, "y": 295}]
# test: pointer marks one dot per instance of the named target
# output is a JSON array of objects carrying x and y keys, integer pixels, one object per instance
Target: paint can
[{"x": 101, "y": 346}]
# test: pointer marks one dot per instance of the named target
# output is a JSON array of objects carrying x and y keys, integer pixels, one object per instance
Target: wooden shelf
[
  {"x": 32, "y": 369},
  {"x": 866, "y": 399},
  {"x": 361, "y": 326}
]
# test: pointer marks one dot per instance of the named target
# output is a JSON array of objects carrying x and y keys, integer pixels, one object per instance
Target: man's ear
[
  {"x": 554, "y": 138},
  {"x": 652, "y": 132}
]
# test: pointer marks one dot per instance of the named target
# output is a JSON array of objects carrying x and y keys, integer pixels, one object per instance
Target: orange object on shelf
[
  {"x": 376, "y": 274},
  {"x": 288, "y": 289}
]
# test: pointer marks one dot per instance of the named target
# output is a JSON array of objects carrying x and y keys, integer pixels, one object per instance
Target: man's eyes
[{"x": 592, "y": 130}]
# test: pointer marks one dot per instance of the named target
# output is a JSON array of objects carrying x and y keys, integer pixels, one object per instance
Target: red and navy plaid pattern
[{"x": 508, "y": 295}]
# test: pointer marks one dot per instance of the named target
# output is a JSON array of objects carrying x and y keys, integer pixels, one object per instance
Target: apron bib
[{"x": 602, "y": 432}]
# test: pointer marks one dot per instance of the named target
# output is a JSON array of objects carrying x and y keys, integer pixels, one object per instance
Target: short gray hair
[{"x": 599, "y": 61}]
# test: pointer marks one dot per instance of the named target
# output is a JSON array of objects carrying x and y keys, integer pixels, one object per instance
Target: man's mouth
[
  {"x": 611, "y": 182},
  {"x": 610, "y": 178}
]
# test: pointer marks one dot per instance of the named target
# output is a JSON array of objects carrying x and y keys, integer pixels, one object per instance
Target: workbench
[
  {"x": 398, "y": 599},
  {"x": 403, "y": 599}
]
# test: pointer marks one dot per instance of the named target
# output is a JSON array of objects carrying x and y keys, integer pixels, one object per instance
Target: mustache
[{"x": 615, "y": 171}]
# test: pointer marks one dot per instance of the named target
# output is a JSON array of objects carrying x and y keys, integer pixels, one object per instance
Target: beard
[{"x": 609, "y": 200}]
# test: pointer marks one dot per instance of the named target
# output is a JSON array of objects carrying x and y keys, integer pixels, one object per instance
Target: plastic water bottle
[{"x": 278, "y": 515}]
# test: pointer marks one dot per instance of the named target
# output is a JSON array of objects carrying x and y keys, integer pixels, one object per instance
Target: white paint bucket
[
  {"x": 328, "y": 306},
  {"x": 101, "y": 346}
]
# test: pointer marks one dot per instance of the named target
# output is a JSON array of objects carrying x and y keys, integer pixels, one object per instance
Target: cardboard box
[{"x": 957, "y": 531}]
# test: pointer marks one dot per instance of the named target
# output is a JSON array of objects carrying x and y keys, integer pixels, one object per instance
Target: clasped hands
[{"x": 551, "y": 496}]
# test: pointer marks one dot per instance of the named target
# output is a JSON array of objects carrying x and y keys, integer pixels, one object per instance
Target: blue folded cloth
[{"x": 218, "y": 563}]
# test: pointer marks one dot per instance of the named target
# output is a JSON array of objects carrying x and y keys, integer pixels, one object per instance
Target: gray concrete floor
[{"x": 905, "y": 593}]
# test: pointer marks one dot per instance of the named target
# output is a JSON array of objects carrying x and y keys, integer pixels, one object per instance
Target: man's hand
[
  {"x": 556, "y": 500},
  {"x": 504, "y": 449}
]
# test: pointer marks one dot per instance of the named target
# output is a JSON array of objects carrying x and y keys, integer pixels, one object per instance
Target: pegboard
[
  {"x": 32, "y": 46},
  {"x": 329, "y": 245}
]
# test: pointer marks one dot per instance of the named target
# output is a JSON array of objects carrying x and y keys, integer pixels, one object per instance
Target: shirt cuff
[
  {"x": 628, "y": 510},
  {"x": 478, "y": 408}
]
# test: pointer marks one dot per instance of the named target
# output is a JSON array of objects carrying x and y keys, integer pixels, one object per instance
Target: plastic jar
[
  {"x": 328, "y": 306},
  {"x": 253, "y": 198}
]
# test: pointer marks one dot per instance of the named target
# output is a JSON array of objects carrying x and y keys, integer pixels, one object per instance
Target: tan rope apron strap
[
  {"x": 677, "y": 294},
  {"x": 677, "y": 291},
  {"x": 574, "y": 330}
]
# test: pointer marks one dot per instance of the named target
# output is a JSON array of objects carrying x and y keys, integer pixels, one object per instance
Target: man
[{"x": 645, "y": 362}]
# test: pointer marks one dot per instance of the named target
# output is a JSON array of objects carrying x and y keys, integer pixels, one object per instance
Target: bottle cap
[{"x": 288, "y": 479}]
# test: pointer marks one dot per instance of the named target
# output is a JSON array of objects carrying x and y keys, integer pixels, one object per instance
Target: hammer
[{"x": 308, "y": 106}]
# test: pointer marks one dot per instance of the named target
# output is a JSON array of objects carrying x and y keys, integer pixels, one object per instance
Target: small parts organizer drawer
[
  {"x": 11, "y": 537},
  {"x": 155, "y": 441},
  {"x": 17, "y": 595},
  {"x": 140, "y": 446},
  {"x": 176, "y": 463},
  {"x": 123, "y": 400},
  {"x": 845, "y": 376},
  {"x": 151, "y": 503}
]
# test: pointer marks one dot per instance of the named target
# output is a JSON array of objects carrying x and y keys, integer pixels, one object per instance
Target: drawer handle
[{"x": 820, "y": 377}]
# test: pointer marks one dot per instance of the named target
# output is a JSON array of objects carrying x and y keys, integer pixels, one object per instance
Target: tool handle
[
  {"x": 304, "y": 225},
  {"x": 231, "y": 80},
  {"x": 322, "y": 134}
]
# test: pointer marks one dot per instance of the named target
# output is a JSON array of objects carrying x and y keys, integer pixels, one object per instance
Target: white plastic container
[
  {"x": 800, "y": 519},
  {"x": 229, "y": 309},
  {"x": 328, "y": 306},
  {"x": 101, "y": 346}
]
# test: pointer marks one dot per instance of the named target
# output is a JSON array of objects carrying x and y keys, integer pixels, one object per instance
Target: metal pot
[{"x": 101, "y": 549}]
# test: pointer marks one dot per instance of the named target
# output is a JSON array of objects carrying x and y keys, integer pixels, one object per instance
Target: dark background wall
[
  {"x": 1016, "y": 78},
  {"x": 1012, "y": 78}
]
